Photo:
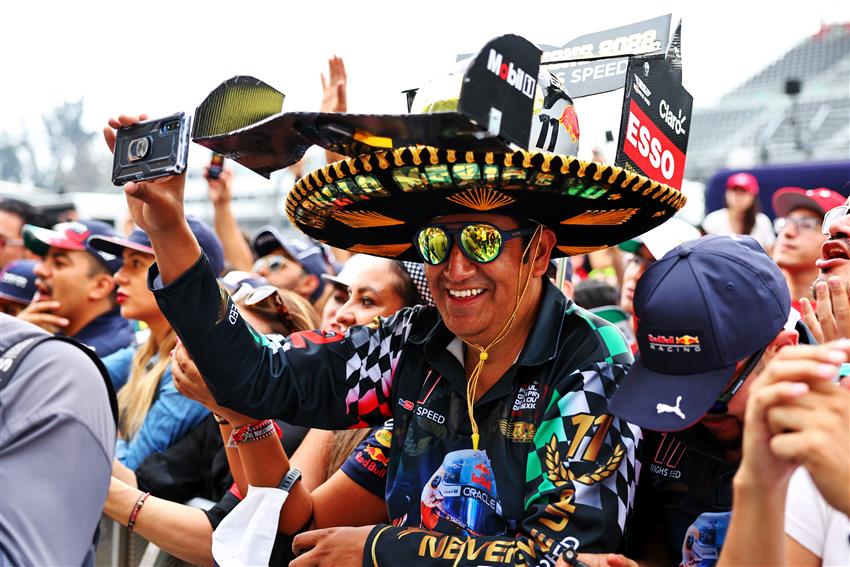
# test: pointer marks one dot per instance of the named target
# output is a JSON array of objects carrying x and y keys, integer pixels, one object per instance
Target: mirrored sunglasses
[
  {"x": 833, "y": 215},
  {"x": 480, "y": 242}
]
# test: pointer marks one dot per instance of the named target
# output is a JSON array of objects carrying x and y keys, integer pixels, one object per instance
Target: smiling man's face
[{"x": 476, "y": 300}]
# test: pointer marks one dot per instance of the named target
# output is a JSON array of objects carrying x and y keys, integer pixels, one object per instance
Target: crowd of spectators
[{"x": 737, "y": 447}]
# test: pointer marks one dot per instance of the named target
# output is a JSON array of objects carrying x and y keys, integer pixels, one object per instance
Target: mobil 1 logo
[{"x": 655, "y": 122}]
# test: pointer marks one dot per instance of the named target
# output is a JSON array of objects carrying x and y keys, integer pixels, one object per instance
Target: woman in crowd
[
  {"x": 379, "y": 289},
  {"x": 741, "y": 214},
  {"x": 196, "y": 465},
  {"x": 152, "y": 413}
]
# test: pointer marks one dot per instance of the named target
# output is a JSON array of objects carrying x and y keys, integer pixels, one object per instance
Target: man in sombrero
[{"x": 503, "y": 451}]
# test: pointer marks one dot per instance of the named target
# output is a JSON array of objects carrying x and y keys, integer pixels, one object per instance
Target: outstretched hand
[
  {"x": 831, "y": 320},
  {"x": 334, "y": 96}
]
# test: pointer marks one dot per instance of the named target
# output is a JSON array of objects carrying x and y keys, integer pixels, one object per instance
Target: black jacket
[{"x": 555, "y": 469}]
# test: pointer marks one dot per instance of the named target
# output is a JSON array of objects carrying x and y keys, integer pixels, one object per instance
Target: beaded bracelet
[
  {"x": 136, "y": 509},
  {"x": 253, "y": 432}
]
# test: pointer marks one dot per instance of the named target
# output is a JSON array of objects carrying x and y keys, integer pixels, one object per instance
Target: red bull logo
[
  {"x": 674, "y": 343},
  {"x": 377, "y": 455}
]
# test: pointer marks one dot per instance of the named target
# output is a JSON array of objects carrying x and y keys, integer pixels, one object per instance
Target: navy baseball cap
[
  {"x": 72, "y": 236},
  {"x": 138, "y": 240},
  {"x": 311, "y": 255},
  {"x": 706, "y": 305},
  {"x": 17, "y": 282}
]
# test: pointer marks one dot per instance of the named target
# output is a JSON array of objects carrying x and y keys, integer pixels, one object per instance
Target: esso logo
[
  {"x": 639, "y": 136},
  {"x": 651, "y": 150}
]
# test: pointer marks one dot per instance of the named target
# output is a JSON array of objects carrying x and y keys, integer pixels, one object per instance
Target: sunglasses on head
[
  {"x": 833, "y": 215},
  {"x": 274, "y": 263},
  {"x": 480, "y": 242}
]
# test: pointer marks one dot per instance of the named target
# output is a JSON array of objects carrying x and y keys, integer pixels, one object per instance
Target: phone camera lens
[
  {"x": 170, "y": 126},
  {"x": 138, "y": 149}
]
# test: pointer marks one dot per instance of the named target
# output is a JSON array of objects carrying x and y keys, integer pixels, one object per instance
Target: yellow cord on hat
[{"x": 472, "y": 383}]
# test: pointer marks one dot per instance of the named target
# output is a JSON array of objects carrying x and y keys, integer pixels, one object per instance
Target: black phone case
[{"x": 167, "y": 153}]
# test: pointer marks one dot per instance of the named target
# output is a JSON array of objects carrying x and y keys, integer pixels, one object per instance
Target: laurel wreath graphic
[{"x": 559, "y": 473}]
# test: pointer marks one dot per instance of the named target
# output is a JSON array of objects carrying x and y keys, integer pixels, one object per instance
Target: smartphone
[
  {"x": 216, "y": 165},
  {"x": 151, "y": 149}
]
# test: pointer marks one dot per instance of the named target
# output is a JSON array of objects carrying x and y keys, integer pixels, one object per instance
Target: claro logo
[{"x": 511, "y": 74}]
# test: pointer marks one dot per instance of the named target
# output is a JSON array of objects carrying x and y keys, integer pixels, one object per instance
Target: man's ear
[
  {"x": 547, "y": 240},
  {"x": 783, "y": 339},
  {"x": 307, "y": 285},
  {"x": 101, "y": 287}
]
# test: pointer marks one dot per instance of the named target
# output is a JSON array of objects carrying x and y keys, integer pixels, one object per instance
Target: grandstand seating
[{"x": 761, "y": 121}]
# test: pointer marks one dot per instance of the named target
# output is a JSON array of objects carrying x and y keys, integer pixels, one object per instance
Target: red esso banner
[{"x": 651, "y": 150}]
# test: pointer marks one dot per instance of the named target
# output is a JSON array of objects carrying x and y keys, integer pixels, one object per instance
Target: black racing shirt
[
  {"x": 685, "y": 493},
  {"x": 554, "y": 469}
]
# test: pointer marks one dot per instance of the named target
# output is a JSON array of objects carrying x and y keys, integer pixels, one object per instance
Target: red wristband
[{"x": 136, "y": 509}]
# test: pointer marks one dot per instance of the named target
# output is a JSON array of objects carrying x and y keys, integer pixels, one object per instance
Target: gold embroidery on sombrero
[
  {"x": 659, "y": 214},
  {"x": 650, "y": 189},
  {"x": 582, "y": 167},
  {"x": 469, "y": 157},
  {"x": 451, "y": 156},
  {"x": 576, "y": 250},
  {"x": 662, "y": 191},
  {"x": 509, "y": 160},
  {"x": 351, "y": 167},
  {"x": 326, "y": 173},
  {"x": 314, "y": 176},
  {"x": 337, "y": 166},
  {"x": 489, "y": 158},
  {"x": 481, "y": 199},
  {"x": 366, "y": 163},
  {"x": 398, "y": 160},
  {"x": 614, "y": 173},
  {"x": 380, "y": 249},
  {"x": 630, "y": 177},
  {"x": 546, "y": 166},
  {"x": 566, "y": 163},
  {"x": 640, "y": 183},
  {"x": 614, "y": 197},
  {"x": 600, "y": 170},
  {"x": 382, "y": 160},
  {"x": 433, "y": 152},
  {"x": 365, "y": 219},
  {"x": 526, "y": 159},
  {"x": 601, "y": 217},
  {"x": 305, "y": 183},
  {"x": 416, "y": 152}
]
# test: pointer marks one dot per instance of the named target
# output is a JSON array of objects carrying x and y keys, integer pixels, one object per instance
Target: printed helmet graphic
[
  {"x": 554, "y": 124},
  {"x": 704, "y": 539},
  {"x": 462, "y": 492}
]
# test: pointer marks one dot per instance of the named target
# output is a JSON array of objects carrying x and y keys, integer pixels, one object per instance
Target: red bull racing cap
[{"x": 706, "y": 305}]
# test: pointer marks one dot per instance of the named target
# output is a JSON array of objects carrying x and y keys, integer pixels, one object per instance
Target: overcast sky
[{"x": 167, "y": 55}]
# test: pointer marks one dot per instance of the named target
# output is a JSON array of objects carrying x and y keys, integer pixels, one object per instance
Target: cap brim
[
  {"x": 115, "y": 246},
  {"x": 631, "y": 246},
  {"x": 265, "y": 249},
  {"x": 335, "y": 280},
  {"x": 39, "y": 240},
  {"x": 14, "y": 299},
  {"x": 787, "y": 201},
  {"x": 650, "y": 399}
]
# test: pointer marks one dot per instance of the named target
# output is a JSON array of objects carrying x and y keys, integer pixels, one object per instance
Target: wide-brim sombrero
[{"x": 375, "y": 203}]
